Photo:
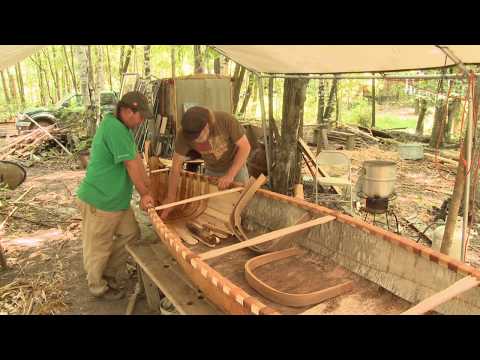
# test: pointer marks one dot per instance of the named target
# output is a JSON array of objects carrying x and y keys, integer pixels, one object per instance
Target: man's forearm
[
  {"x": 238, "y": 161},
  {"x": 137, "y": 174}
]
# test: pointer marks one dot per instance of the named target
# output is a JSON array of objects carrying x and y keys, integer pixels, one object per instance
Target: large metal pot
[{"x": 379, "y": 178}]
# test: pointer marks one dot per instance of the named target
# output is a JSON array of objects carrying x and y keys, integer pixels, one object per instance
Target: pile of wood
[
  {"x": 362, "y": 139},
  {"x": 31, "y": 143}
]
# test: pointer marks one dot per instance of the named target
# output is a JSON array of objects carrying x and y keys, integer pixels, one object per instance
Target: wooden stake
[
  {"x": 266, "y": 237},
  {"x": 461, "y": 286},
  {"x": 198, "y": 198},
  {"x": 298, "y": 191}
]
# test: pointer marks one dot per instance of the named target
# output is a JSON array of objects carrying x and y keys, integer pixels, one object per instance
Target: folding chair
[{"x": 341, "y": 166}]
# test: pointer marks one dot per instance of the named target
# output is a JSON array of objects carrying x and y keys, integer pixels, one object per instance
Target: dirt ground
[{"x": 44, "y": 251}]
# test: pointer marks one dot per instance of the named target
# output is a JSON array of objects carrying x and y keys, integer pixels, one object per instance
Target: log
[
  {"x": 449, "y": 162},
  {"x": 362, "y": 133},
  {"x": 461, "y": 286},
  {"x": 266, "y": 237}
]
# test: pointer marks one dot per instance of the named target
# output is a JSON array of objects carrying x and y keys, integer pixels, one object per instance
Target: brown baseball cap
[
  {"x": 137, "y": 102},
  {"x": 194, "y": 121}
]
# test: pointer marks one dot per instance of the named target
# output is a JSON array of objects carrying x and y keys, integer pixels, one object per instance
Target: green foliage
[{"x": 361, "y": 114}]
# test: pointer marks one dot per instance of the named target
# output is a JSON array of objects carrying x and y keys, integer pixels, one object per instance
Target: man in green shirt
[
  {"x": 105, "y": 193},
  {"x": 222, "y": 143}
]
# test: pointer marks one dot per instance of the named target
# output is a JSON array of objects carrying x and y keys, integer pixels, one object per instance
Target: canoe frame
[{"x": 234, "y": 300}]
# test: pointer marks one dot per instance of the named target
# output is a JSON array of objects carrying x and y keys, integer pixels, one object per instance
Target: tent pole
[
  {"x": 360, "y": 77},
  {"x": 264, "y": 126},
  {"x": 466, "y": 201}
]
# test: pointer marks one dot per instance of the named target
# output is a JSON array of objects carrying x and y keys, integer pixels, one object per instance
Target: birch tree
[{"x": 5, "y": 87}]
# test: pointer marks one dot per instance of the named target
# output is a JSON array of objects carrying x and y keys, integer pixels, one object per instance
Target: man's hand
[
  {"x": 224, "y": 182},
  {"x": 165, "y": 212},
  {"x": 146, "y": 202}
]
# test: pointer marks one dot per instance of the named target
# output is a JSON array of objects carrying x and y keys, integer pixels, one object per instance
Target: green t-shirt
[{"x": 107, "y": 185}]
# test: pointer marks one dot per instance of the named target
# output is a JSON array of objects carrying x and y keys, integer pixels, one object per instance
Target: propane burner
[{"x": 377, "y": 206}]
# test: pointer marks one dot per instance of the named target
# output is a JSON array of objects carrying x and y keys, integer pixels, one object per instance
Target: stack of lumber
[
  {"x": 33, "y": 142},
  {"x": 362, "y": 139}
]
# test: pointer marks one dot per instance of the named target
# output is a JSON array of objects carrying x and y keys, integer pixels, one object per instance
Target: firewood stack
[
  {"x": 340, "y": 134},
  {"x": 34, "y": 142}
]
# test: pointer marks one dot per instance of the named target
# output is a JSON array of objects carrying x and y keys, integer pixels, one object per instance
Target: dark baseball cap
[
  {"x": 137, "y": 102},
  {"x": 194, "y": 121}
]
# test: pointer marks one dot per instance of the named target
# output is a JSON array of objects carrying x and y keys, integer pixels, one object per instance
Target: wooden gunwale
[{"x": 233, "y": 299}]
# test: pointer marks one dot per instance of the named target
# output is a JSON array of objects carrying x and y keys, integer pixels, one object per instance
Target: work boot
[{"x": 113, "y": 294}]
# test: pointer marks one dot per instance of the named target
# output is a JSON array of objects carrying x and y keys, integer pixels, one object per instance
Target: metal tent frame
[{"x": 448, "y": 54}]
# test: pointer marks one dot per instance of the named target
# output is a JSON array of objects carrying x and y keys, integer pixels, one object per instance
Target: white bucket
[{"x": 412, "y": 151}]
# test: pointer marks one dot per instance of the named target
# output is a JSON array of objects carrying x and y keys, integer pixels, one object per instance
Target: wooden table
[{"x": 160, "y": 274}]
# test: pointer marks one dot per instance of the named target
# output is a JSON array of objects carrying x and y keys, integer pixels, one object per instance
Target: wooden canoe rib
[
  {"x": 409, "y": 270},
  {"x": 295, "y": 300}
]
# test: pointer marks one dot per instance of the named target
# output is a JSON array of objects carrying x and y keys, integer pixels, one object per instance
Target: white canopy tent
[
  {"x": 336, "y": 59},
  {"x": 12, "y": 54},
  {"x": 304, "y": 60}
]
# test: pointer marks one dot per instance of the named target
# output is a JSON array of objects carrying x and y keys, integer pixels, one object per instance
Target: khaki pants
[{"x": 104, "y": 236}]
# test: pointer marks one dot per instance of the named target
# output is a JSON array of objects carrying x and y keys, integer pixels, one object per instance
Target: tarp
[
  {"x": 12, "y": 54},
  {"x": 332, "y": 59}
]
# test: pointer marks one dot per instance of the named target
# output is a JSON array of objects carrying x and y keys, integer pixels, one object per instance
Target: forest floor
[{"x": 44, "y": 251}]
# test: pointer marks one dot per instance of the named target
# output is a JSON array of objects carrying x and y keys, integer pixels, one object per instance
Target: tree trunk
[
  {"x": 286, "y": 173},
  {"x": 41, "y": 88},
  {"x": 86, "y": 88},
  {"x": 70, "y": 68},
  {"x": 438, "y": 118},
  {"x": 453, "y": 110},
  {"x": 5, "y": 87},
  {"x": 146, "y": 62},
  {"x": 128, "y": 55},
  {"x": 225, "y": 67},
  {"x": 13, "y": 87},
  {"x": 61, "y": 82},
  {"x": 120, "y": 65},
  {"x": 331, "y": 98},
  {"x": 55, "y": 72},
  {"x": 94, "y": 95},
  {"x": 135, "y": 60},
  {"x": 373, "y": 103},
  {"x": 436, "y": 139},
  {"x": 68, "y": 84},
  {"x": 337, "y": 107},
  {"x": 83, "y": 68},
  {"x": 100, "y": 78},
  {"x": 54, "y": 76},
  {"x": 198, "y": 56},
  {"x": 217, "y": 68},
  {"x": 248, "y": 93},
  {"x": 421, "y": 116},
  {"x": 270, "y": 99},
  {"x": 457, "y": 196},
  {"x": 237, "y": 84},
  {"x": 109, "y": 68},
  {"x": 21, "y": 89},
  {"x": 416, "y": 106},
  {"x": 321, "y": 101},
  {"x": 454, "y": 207},
  {"x": 172, "y": 60}
]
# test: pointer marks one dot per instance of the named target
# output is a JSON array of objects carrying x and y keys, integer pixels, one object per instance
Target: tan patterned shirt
[{"x": 219, "y": 155}]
